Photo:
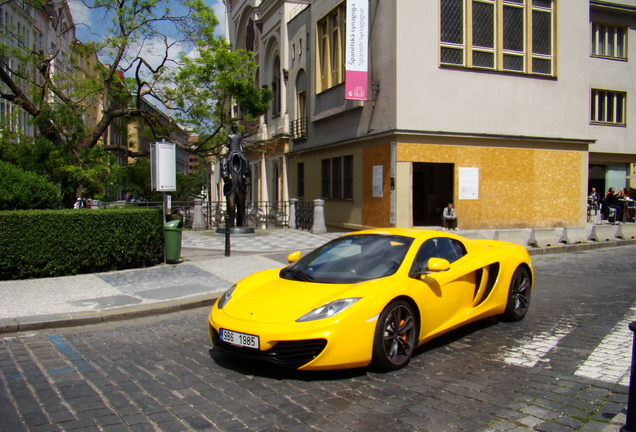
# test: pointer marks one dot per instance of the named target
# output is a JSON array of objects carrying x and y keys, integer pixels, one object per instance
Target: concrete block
[
  {"x": 602, "y": 233},
  {"x": 626, "y": 231},
  {"x": 572, "y": 235},
  {"x": 542, "y": 237},
  {"x": 510, "y": 235}
]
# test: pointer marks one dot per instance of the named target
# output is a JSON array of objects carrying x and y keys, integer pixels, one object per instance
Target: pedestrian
[{"x": 449, "y": 217}]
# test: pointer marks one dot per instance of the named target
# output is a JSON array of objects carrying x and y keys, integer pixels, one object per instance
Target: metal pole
[
  {"x": 227, "y": 228},
  {"x": 630, "y": 423}
]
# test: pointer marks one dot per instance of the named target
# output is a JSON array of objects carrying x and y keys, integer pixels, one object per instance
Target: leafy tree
[
  {"x": 56, "y": 99},
  {"x": 23, "y": 190}
]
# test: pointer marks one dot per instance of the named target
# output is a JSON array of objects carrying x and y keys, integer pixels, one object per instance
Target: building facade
[{"x": 510, "y": 109}]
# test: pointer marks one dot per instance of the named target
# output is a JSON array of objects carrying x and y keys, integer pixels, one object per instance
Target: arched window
[{"x": 276, "y": 87}]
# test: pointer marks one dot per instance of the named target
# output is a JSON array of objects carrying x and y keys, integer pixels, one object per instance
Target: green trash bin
[{"x": 172, "y": 232}]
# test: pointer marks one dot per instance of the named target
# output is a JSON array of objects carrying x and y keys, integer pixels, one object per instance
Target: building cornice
[{"x": 613, "y": 6}]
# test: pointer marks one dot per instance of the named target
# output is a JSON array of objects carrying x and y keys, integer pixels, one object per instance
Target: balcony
[{"x": 298, "y": 129}]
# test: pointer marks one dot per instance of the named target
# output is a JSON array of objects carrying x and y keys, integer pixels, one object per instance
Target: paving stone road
[{"x": 563, "y": 368}]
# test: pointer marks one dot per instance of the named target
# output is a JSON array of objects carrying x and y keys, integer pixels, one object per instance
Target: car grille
[{"x": 288, "y": 354}]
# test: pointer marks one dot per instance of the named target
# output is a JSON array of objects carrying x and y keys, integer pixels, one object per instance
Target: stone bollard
[
  {"x": 197, "y": 223},
  {"x": 292, "y": 213},
  {"x": 319, "y": 217},
  {"x": 630, "y": 423}
]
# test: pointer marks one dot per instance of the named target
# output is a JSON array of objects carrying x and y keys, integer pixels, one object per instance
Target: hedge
[{"x": 46, "y": 243}]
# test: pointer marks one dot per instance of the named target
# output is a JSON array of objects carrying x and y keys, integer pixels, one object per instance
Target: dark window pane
[
  {"x": 483, "y": 24},
  {"x": 542, "y": 3},
  {"x": 326, "y": 177},
  {"x": 593, "y": 106},
  {"x": 452, "y": 21},
  {"x": 483, "y": 59},
  {"x": 514, "y": 63},
  {"x": 542, "y": 66},
  {"x": 348, "y": 177},
  {"x": 514, "y": 1},
  {"x": 620, "y": 103},
  {"x": 513, "y": 28},
  {"x": 301, "y": 180},
  {"x": 336, "y": 176},
  {"x": 541, "y": 32},
  {"x": 452, "y": 55}
]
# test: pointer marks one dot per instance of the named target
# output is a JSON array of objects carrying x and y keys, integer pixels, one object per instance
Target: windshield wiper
[{"x": 301, "y": 276}]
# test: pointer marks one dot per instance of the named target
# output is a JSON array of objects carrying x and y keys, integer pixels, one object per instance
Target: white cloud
[
  {"x": 81, "y": 13},
  {"x": 219, "y": 10}
]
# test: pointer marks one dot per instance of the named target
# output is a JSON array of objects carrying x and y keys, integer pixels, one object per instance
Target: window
[
  {"x": 609, "y": 40},
  {"x": 441, "y": 247},
  {"x": 608, "y": 107},
  {"x": 330, "y": 31},
  {"x": 337, "y": 178},
  {"x": 276, "y": 88},
  {"x": 503, "y": 35},
  {"x": 301, "y": 180}
]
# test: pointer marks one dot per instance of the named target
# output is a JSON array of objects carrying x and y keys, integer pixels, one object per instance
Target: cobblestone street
[{"x": 563, "y": 368}]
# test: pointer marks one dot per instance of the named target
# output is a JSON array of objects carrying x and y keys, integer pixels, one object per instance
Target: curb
[{"x": 42, "y": 322}]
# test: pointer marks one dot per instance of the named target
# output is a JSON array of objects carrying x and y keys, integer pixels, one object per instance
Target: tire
[
  {"x": 518, "y": 296},
  {"x": 395, "y": 337}
]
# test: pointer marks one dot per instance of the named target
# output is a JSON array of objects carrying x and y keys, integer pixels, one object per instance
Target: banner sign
[
  {"x": 468, "y": 183},
  {"x": 357, "y": 52}
]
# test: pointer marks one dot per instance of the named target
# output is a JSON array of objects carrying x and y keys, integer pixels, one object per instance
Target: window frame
[
  {"x": 600, "y": 101},
  {"x": 595, "y": 35},
  {"x": 464, "y": 53},
  {"x": 330, "y": 62},
  {"x": 337, "y": 178}
]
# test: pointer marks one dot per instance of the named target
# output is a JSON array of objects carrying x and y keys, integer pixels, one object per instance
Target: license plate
[{"x": 239, "y": 339}]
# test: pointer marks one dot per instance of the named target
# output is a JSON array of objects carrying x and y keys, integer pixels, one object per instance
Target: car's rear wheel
[
  {"x": 395, "y": 336},
  {"x": 518, "y": 295}
]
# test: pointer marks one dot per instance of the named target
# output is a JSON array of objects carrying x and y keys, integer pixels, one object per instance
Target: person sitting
[
  {"x": 449, "y": 218},
  {"x": 611, "y": 202}
]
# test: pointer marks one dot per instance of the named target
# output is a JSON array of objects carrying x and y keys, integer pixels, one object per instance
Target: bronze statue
[{"x": 236, "y": 173}]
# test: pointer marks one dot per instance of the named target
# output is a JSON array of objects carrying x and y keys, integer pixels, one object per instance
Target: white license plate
[{"x": 239, "y": 339}]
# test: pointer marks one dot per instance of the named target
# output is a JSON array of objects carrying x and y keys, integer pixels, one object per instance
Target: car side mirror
[
  {"x": 435, "y": 265},
  {"x": 293, "y": 257}
]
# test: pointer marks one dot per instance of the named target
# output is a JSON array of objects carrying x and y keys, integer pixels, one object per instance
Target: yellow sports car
[{"x": 370, "y": 298}]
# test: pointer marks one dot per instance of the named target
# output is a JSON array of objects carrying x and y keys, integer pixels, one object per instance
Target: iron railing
[
  {"x": 258, "y": 214},
  {"x": 304, "y": 215},
  {"x": 298, "y": 128}
]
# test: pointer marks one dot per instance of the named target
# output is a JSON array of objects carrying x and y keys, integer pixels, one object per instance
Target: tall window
[
  {"x": 337, "y": 178},
  {"x": 301, "y": 180},
  {"x": 608, "y": 107},
  {"x": 503, "y": 35},
  {"x": 276, "y": 87},
  {"x": 330, "y": 34},
  {"x": 609, "y": 40}
]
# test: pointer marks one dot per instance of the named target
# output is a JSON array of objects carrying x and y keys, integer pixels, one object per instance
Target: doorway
[{"x": 432, "y": 191}]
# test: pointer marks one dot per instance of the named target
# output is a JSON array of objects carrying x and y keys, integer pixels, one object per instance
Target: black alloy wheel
[
  {"x": 395, "y": 336},
  {"x": 518, "y": 295}
]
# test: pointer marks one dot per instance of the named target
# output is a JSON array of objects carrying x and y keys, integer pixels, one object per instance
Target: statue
[{"x": 236, "y": 173}]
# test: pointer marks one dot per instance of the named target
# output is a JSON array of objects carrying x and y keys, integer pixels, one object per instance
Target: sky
[{"x": 88, "y": 24}]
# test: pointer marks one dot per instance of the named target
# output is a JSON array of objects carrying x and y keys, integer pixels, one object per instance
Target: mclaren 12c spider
[{"x": 370, "y": 298}]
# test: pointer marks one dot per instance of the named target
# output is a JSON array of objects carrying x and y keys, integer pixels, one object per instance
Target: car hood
[{"x": 267, "y": 298}]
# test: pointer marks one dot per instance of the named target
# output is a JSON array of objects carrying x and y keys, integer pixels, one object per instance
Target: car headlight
[
  {"x": 328, "y": 310},
  {"x": 227, "y": 295}
]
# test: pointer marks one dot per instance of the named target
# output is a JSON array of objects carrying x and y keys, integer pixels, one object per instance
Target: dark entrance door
[{"x": 432, "y": 191}]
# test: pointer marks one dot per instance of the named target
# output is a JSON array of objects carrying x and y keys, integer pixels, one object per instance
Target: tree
[{"x": 56, "y": 98}]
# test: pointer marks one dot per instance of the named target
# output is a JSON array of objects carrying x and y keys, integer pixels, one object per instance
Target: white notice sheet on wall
[
  {"x": 377, "y": 181},
  {"x": 468, "y": 183}
]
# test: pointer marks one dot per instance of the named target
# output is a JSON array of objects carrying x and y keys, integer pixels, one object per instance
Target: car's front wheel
[
  {"x": 395, "y": 336},
  {"x": 518, "y": 296}
]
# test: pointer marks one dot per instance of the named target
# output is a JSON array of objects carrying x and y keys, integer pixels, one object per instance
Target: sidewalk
[{"x": 201, "y": 277}]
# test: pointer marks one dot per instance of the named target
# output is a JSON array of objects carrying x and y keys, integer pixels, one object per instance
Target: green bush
[
  {"x": 44, "y": 243},
  {"x": 24, "y": 190}
]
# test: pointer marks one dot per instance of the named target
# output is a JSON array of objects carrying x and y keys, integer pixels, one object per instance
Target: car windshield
[{"x": 351, "y": 259}]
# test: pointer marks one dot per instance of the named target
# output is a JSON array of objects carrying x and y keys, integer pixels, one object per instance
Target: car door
[{"x": 443, "y": 297}]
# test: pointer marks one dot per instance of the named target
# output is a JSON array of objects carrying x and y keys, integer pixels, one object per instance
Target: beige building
[{"x": 510, "y": 109}]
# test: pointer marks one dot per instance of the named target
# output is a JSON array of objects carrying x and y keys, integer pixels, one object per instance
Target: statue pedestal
[{"x": 237, "y": 231}]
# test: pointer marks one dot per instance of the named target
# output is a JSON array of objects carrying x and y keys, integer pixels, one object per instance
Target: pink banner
[
  {"x": 356, "y": 85},
  {"x": 357, "y": 43}
]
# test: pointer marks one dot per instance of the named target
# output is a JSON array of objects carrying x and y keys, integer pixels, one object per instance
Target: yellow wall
[{"x": 518, "y": 187}]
